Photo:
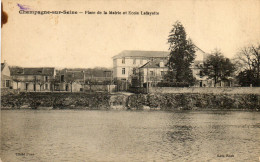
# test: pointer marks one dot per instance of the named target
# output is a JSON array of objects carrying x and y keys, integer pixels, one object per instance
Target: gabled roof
[
  {"x": 155, "y": 63},
  {"x": 148, "y": 54},
  {"x": 32, "y": 71}
]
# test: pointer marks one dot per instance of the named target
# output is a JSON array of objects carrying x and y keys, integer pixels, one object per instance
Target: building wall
[
  {"x": 153, "y": 74},
  {"x": 5, "y": 76},
  {"x": 76, "y": 87},
  {"x": 30, "y": 88},
  {"x": 30, "y": 80},
  {"x": 129, "y": 64},
  {"x": 5, "y": 71}
]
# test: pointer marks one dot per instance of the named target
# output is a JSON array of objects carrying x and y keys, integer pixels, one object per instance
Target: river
[{"x": 80, "y": 135}]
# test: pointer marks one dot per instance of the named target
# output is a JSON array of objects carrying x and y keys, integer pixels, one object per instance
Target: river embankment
[{"x": 153, "y": 101}]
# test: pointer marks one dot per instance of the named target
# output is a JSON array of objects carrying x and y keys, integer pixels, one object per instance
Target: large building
[
  {"x": 151, "y": 64},
  {"x": 125, "y": 62}
]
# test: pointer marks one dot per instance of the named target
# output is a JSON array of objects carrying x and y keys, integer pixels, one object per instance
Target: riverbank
[{"x": 153, "y": 101}]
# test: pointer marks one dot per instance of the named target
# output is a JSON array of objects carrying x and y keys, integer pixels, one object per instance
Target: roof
[
  {"x": 74, "y": 74},
  {"x": 89, "y": 72},
  {"x": 32, "y": 71},
  {"x": 155, "y": 63},
  {"x": 149, "y": 54}
]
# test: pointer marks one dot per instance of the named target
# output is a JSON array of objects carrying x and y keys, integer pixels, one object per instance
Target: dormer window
[
  {"x": 123, "y": 60},
  {"x": 161, "y": 64}
]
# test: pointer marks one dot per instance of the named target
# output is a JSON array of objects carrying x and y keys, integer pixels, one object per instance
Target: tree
[
  {"x": 40, "y": 82},
  {"x": 71, "y": 79},
  {"x": 248, "y": 63},
  {"x": 246, "y": 78},
  {"x": 17, "y": 81},
  {"x": 54, "y": 81},
  {"x": 182, "y": 55},
  {"x": 217, "y": 67}
]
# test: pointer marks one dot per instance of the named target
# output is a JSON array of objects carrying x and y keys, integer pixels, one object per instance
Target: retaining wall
[
  {"x": 217, "y": 90},
  {"x": 161, "y": 101}
]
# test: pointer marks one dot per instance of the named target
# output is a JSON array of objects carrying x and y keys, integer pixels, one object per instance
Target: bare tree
[
  {"x": 71, "y": 79},
  {"x": 40, "y": 82},
  {"x": 248, "y": 61},
  {"x": 17, "y": 81},
  {"x": 54, "y": 81}
]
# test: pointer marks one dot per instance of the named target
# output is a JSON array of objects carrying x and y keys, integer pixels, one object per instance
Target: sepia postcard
[{"x": 130, "y": 80}]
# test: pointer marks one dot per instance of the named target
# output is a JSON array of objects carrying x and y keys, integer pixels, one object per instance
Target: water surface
[{"x": 77, "y": 135}]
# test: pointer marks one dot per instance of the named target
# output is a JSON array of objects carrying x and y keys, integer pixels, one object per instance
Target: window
[
  {"x": 46, "y": 78},
  {"x": 123, "y": 70},
  {"x": 123, "y": 60},
  {"x": 46, "y": 86},
  {"x": 134, "y": 61},
  {"x": 134, "y": 71},
  {"x": 201, "y": 75},
  {"x": 62, "y": 78},
  {"x": 151, "y": 73},
  {"x": 26, "y": 86},
  {"x": 7, "y": 83},
  {"x": 162, "y": 73}
]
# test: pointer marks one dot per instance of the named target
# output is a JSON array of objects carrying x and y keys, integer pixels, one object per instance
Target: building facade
[
  {"x": 70, "y": 80},
  {"x": 125, "y": 62},
  {"x": 6, "y": 79},
  {"x": 151, "y": 65},
  {"x": 33, "y": 79},
  {"x": 78, "y": 80}
]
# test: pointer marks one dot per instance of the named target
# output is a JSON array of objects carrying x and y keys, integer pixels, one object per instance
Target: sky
[{"x": 87, "y": 41}]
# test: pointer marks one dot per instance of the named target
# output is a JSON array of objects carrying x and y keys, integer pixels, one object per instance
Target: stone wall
[
  {"x": 160, "y": 101},
  {"x": 217, "y": 90},
  {"x": 188, "y": 101}
]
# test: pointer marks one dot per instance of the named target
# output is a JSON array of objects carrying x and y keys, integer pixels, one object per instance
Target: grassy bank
[{"x": 166, "y": 101}]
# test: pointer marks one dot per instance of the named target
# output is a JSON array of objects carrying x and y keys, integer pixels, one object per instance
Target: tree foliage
[
  {"x": 217, "y": 67},
  {"x": 182, "y": 55}
]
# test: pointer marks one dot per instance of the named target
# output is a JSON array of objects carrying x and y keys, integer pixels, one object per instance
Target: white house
[
  {"x": 126, "y": 61},
  {"x": 153, "y": 63}
]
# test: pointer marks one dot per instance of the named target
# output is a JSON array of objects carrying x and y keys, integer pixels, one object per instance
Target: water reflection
[{"x": 66, "y": 135}]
